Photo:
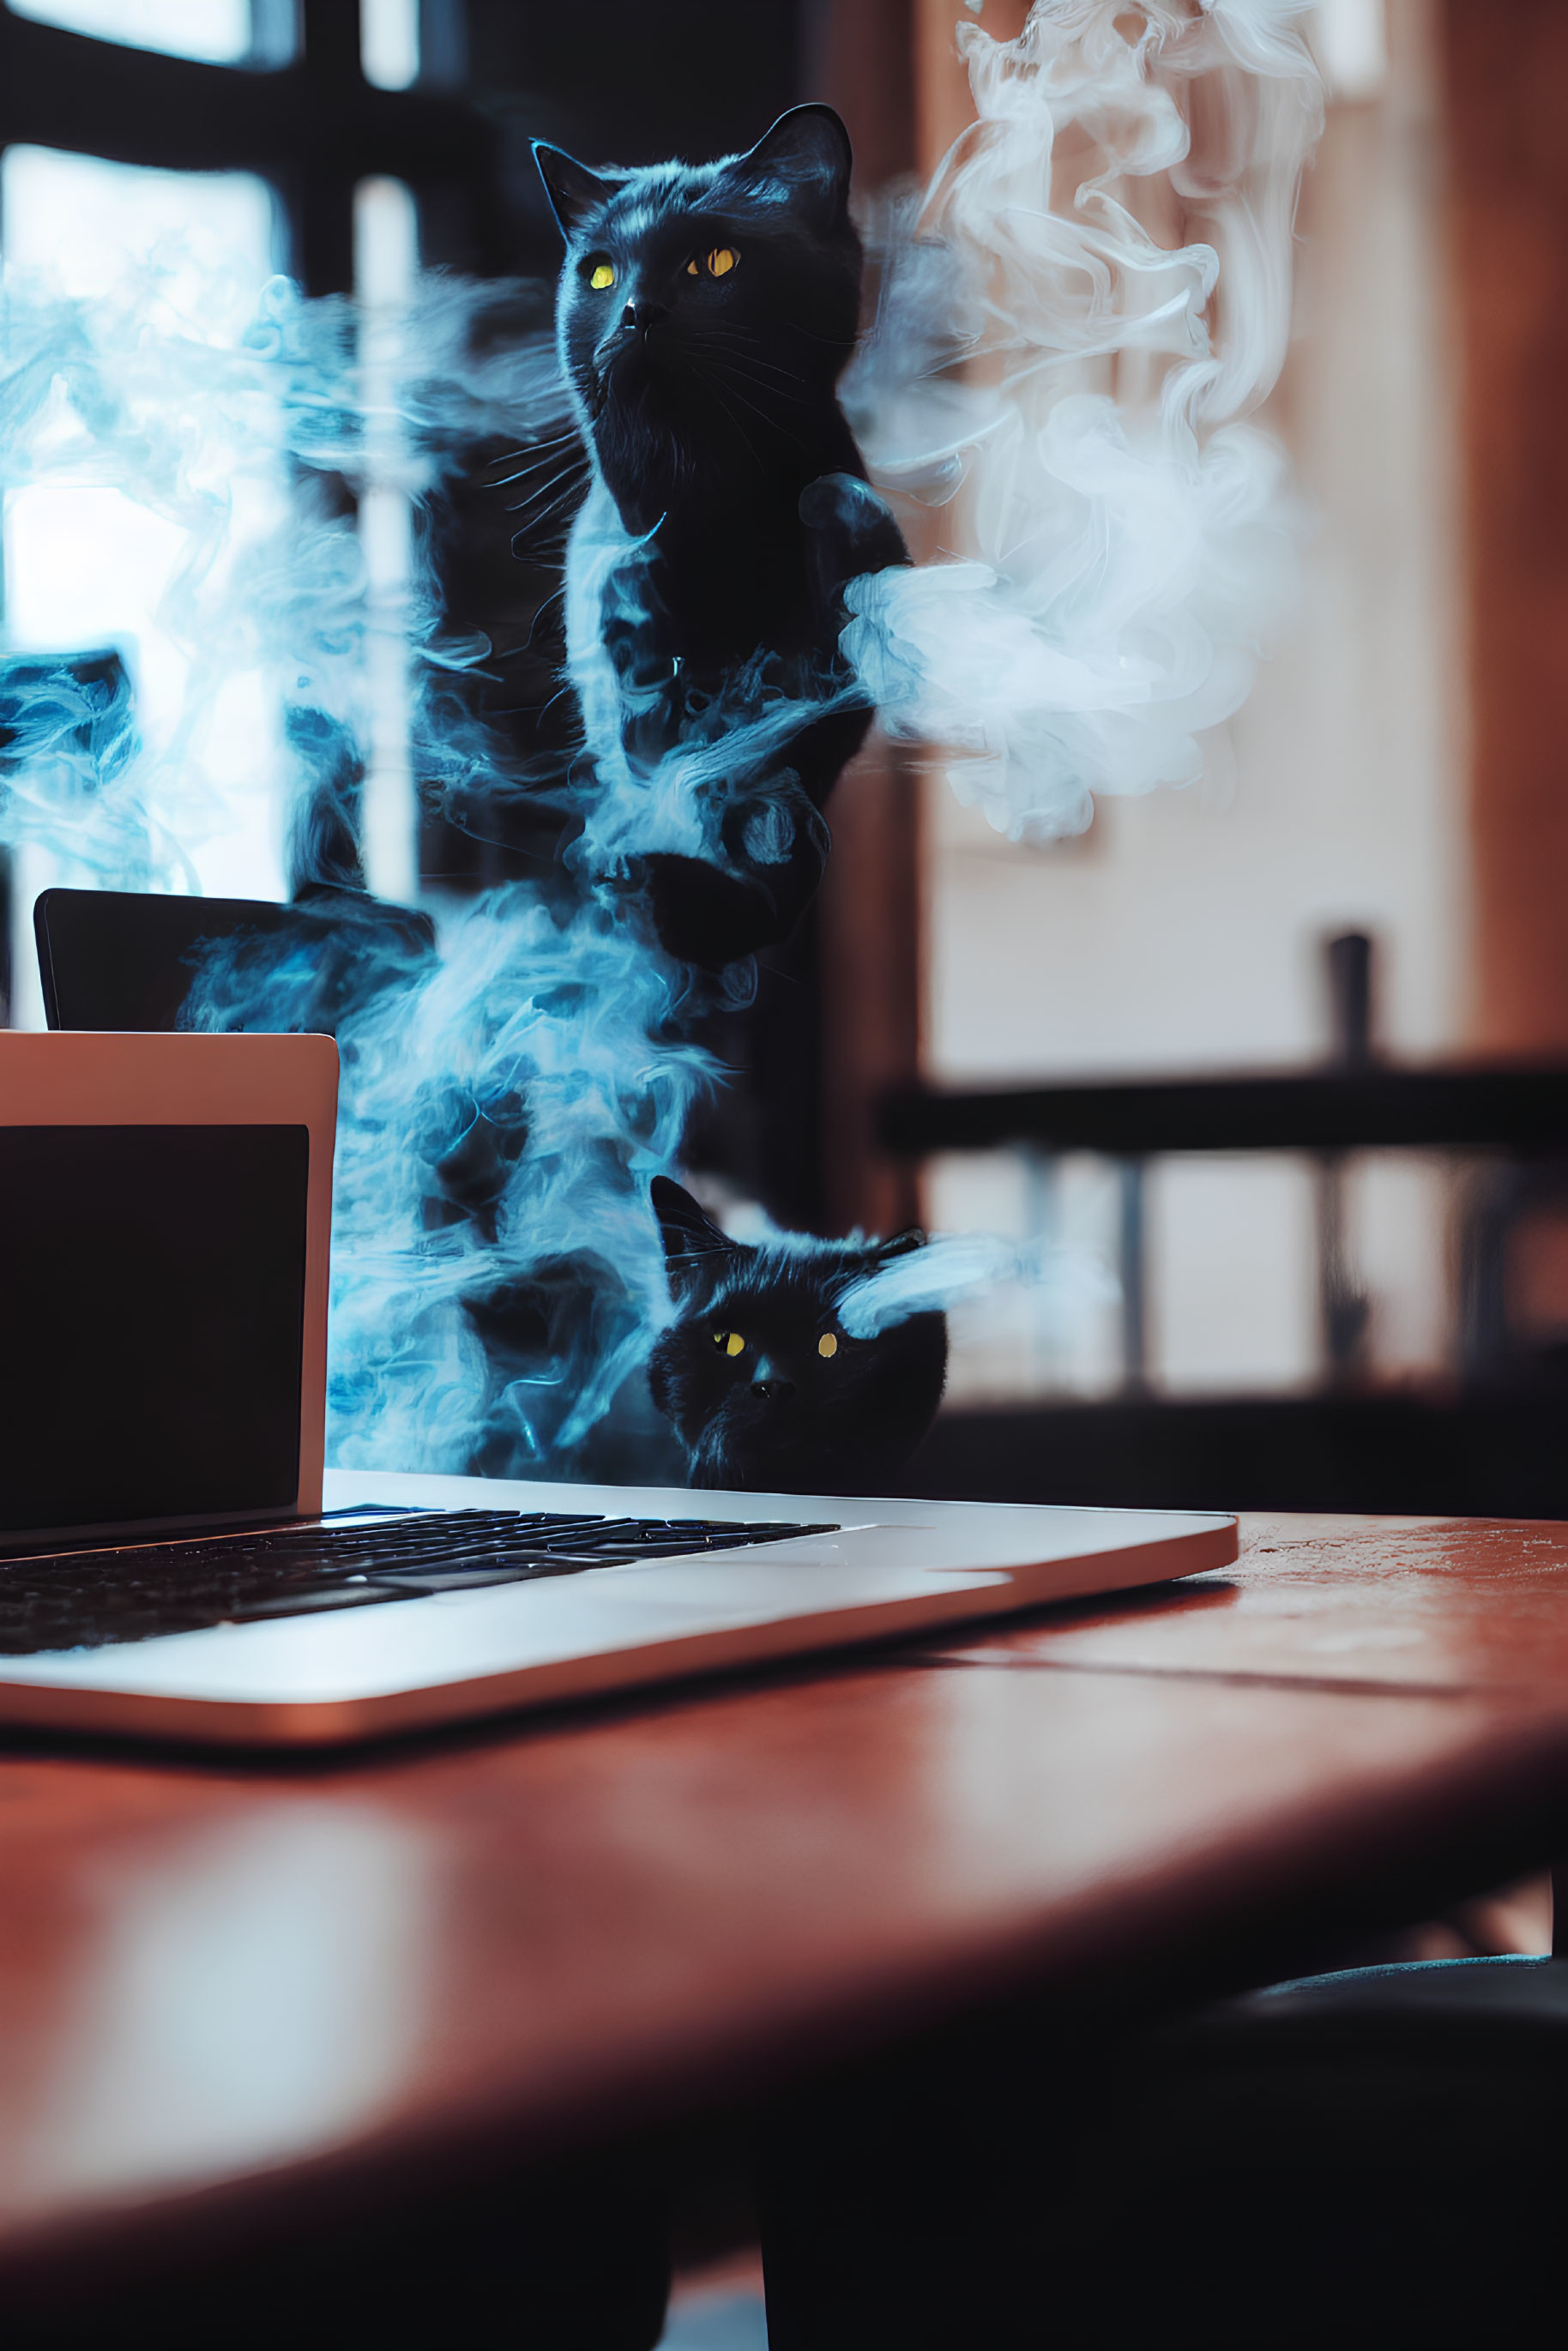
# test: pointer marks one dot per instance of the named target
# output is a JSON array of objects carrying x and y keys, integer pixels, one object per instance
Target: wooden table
[{"x": 232, "y": 1987}]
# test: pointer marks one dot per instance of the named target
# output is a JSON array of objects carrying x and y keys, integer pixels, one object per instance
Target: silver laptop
[{"x": 177, "y": 1562}]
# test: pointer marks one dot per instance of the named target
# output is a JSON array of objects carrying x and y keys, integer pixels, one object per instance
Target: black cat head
[
  {"x": 705, "y": 308},
  {"x": 765, "y": 1387}
]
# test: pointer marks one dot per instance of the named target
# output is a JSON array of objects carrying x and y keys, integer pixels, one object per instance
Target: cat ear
[
  {"x": 574, "y": 191},
  {"x": 691, "y": 1238},
  {"x": 900, "y": 1245},
  {"x": 807, "y": 152}
]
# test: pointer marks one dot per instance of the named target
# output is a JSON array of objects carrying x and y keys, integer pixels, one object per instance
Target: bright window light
[
  {"x": 218, "y": 32},
  {"x": 86, "y": 224},
  {"x": 386, "y": 266},
  {"x": 386, "y": 244},
  {"x": 1351, "y": 40},
  {"x": 85, "y": 565},
  {"x": 389, "y": 42}
]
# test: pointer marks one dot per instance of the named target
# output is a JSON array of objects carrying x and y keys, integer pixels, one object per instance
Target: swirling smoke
[{"x": 1062, "y": 359}]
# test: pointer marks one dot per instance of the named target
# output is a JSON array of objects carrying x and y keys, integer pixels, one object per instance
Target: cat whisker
[
  {"x": 551, "y": 464},
  {"x": 563, "y": 460},
  {"x": 774, "y": 422},
  {"x": 726, "y": 371},
  {"x": 740, "y": 335},
  {"x": 546, "y": 707},
  {"x": 545, "y": 441},
  {"x": 530, "y": 473},
  {"x": 737, "y": 367},
  {"x": 555, "y": 470},
  {"x": 540, "y": 538},
  {"x": 545, "y": 500},
  {"x": 735, "y": 372},
  {"x": 763, "y": 370},
  {"x": 556, "y": 596},
  {"x": 534, "y": 528},
  {"x": 535, "y": 539},
  {"x": 539, "y": 454},
  {"x": 808, "y": 334},
  {"x": 735, "y": 420},
  {"x": 730, "y": 342}
]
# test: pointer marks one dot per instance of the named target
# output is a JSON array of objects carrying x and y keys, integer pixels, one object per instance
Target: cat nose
[
  {"x": 766, "y": 1382},
  {"x": 638, "y": 316}
]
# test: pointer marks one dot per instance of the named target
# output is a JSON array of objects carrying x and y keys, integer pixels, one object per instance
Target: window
[
  {"x": 219, "y": 32},
  {"x": 188, "y": 250}
]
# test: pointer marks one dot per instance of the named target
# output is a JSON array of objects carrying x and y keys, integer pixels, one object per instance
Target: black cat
[
  {"x": 704, "y": 315},
  {"x": 763, "y": 1384}
]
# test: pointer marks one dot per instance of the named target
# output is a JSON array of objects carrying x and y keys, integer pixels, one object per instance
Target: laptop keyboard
[{"x": 89, "y": 1599}]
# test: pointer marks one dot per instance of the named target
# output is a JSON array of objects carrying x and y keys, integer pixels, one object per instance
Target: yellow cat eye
[
  {"x": 602, "y": 275},
  {"x": 719, "y": 262},
  {"x": 827, "y": 1344},
  {"x": 730, "y": 1341}
]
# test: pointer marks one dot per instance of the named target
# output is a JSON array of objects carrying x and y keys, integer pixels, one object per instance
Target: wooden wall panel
[
  {"x": 892, "y": 70},
  {"x": 872, "y": 979},
  {"x": 1507, "y": 86},
  {"x": 862, "y": 59}
]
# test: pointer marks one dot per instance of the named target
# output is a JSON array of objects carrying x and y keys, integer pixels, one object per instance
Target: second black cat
[{"x": 765, "y": 1387}]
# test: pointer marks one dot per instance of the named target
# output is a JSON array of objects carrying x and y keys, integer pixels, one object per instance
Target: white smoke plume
[
  {"x": 955, "y": 1267},
  {"x": 1076, "y": 320}
]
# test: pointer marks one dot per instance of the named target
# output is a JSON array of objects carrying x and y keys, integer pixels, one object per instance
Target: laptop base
[{"x": 886, "y": 1569}]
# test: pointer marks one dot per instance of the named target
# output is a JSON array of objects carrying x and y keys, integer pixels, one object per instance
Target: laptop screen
[{"x": 152, "y": 1303}]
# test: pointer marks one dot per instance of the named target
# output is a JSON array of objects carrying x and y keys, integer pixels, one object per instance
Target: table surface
[{"x": 222, "y": 1980}]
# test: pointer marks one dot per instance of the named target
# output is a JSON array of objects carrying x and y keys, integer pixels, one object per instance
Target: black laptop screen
[{"x": 151, "y": 1302}]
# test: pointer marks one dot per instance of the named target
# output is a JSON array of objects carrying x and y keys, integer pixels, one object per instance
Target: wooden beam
[
  {"x": 864, "y": 58},
  {"x": 1506, "y": 69}
]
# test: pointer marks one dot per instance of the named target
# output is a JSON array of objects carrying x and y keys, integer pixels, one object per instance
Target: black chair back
[{"x": 124, "y": 959}]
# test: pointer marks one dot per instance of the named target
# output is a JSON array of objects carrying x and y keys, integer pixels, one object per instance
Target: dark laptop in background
[{"x": 122, "y": 959}]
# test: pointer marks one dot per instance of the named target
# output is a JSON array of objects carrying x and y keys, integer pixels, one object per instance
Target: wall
[{"x": 1184, "y": 931}]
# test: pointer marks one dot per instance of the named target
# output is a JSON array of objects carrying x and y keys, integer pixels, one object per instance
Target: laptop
[
  {"x": 127, "y": 958},
  {"x": 176, "y": 1562}
]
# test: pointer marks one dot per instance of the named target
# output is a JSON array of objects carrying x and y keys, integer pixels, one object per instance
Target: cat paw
[
  {"x": 852, "y": 531},
  {"x": 703, "y": 916},
  {"x": 710, "y": 915}
]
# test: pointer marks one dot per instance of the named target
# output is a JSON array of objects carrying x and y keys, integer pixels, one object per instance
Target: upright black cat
[
  {"x": 704, "y": 315},
  {"x": 763, "y": 1384}
]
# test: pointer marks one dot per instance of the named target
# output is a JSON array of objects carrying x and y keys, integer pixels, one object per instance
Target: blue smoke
[
  {"x": 505, "y": 1102},
  {"x": 506, "y": 1098},
  {"x": 508, "y": 1093},
  {"x": 67, "y": 735}
]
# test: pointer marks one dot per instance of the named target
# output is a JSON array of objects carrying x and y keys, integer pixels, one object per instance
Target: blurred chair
[
  {"x": 1371, "y": 2158},
  {"x": 1493, "y": 1448}
]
